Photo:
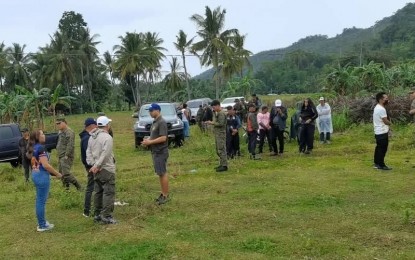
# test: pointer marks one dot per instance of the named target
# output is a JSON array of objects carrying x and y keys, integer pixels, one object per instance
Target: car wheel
[
  {"x": 138, "y": 142},
  {"x": 14, "y": 163},
  {"x": 178, "y": 140}
]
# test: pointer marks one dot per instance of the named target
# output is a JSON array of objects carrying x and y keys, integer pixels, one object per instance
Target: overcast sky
[{"x": 268, "y": 24}]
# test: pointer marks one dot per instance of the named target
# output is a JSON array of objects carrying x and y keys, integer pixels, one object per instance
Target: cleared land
[{"x": 329, "y": 205}]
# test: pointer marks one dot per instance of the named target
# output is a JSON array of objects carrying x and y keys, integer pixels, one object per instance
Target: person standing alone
[
  {"x": 23, "y": 142},
  {"x": 185, "y": 120},
  {"x": 66, "y": 149},
  {"x": 100, "y": 156},
  {"x": 324, "y": 125},
  {"x": 158, "y": 144},
  {"x": 381, "y": 125},
  {"x": 252, "y": 129},
  {"x": 90, "y": 125},
  {"x": 219, "y": 129}
]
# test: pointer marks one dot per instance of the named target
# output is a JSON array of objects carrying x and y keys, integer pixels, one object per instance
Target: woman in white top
[{"x": 324, "y": 123}]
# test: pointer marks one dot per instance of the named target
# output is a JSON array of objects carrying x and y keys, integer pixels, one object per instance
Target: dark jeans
[
  {"x": 26, "y": 168},
  {"x": 276, "y": 133},
  {"x": 262, "y": 134},
  {"x": 382, "y": 142},
  {"x": 307, "y": 137},
  {"x": 252, "y": 139},
  {"x": 232, "y": 144},
  {"x": 104, "y": 193},
  {"x": 88, "y": 192}
]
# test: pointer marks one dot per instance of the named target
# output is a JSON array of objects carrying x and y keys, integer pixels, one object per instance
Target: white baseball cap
[
  {"x": 278, "y": 103},
  {"x": 103, "y": 121},
  {"x": 321, "y": 99}
]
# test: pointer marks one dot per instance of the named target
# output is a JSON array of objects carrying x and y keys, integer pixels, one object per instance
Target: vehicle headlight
[
  {"x": 139, "y": 125},
  {"x": 177, "y": 123}
]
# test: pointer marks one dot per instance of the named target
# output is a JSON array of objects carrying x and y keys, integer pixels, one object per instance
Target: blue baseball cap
[
  {"x": 89, "y": 121},
  {"x": 153, "y": 107}
]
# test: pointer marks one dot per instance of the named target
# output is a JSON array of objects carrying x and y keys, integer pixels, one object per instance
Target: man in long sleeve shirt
[{"x": 99, "y": 155}]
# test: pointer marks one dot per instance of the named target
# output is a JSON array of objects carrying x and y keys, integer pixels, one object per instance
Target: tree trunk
[
  {"x": 189, "y": 94},
  {"x": 91, "y": 99},
  {"x": 138, "y": 104}
]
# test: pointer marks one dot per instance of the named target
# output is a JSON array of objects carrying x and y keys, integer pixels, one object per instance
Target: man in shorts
[{"x": 158, "y": 143}]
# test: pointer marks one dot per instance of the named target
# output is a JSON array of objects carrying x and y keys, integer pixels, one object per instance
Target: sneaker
[
  {"x": 108, "y": 220},
  {"x": 97, "y": 219},
  {"x": 328, "y": 142},
  {"x": 321, "y": 142},
  {"x": 307, "y": 152},
  {"x": 376, "y": 166},
  {"x": 47, "y": 227},
  {"x": 162, "y": 199},
  {"x": 85, "y": 215},
  {"x": 222, "y": 169},
  {"x": 385, "y": 168},
  {"x": 273, "y": 154}
]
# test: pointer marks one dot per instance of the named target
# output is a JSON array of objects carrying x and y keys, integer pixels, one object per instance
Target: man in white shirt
[{"x": 381, "y": 125}]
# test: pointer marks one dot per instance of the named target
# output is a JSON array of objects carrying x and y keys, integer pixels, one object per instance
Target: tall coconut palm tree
[
  {"x": 132, "y": 59},
  {"x": 214, "y": 41},
  {"x": 175, "y": 79},
  {"x": 62, "y": 61},
  {"x": 152, "y": 71},
  {"x": 17, "y": 70},
  {"x": 87, "y": 52},
  {"x": 183, "y": 45}
]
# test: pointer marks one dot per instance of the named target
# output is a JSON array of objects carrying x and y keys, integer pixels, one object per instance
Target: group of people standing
[
  {"x": 267, "y": 126},
  {"x": 97, "y": 157}
]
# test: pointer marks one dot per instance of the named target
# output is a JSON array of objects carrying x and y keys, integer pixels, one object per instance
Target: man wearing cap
[
  {"x": 278, "y": 123},
  {"x": 100, "y": 156},
  {"x": 90, "y": 125},
  {"x": 219, "y": 129},
  {"x": 324, "y": 123},
  {"x": 110, "y": 130},
  {"x": 66, "y": 149},
  {"x": 22, "y": 153},
  {"x": 158, "y": 143}
]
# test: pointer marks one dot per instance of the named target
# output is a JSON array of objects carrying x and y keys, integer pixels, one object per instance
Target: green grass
[{"x": 329, "y": 205}]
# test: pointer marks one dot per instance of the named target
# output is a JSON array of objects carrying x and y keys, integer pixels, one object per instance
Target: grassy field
[{"x": 328, "y": 205}]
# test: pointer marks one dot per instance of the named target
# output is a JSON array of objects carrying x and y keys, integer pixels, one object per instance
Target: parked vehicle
[
  {"x": 194, "y": 104},
  {"x": 174, "y": 123},
  {"x": 230, "y": 101},
  {"x": 9, "y": 143}
]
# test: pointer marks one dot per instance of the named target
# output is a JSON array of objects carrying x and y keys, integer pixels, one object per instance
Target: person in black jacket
[
  {"x": 90, "y": 124},
  {"x": 22, "y": 153},
  {"x": 308, "y": 115}
]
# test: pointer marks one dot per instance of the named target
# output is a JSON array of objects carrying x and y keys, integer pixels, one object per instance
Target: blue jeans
[
  {"x": 186, "y": 127},
  {"x": 41, "y": 180}
]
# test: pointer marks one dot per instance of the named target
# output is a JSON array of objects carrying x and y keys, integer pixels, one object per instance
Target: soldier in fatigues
[
  {"x": 65, "y": 149},
  {"x": 219, "y": 129}
]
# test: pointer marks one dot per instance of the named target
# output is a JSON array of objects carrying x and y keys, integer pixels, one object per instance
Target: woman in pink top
[{"x": 264, "y": 128}]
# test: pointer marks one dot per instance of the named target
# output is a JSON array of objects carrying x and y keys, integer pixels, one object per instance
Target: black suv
[{"x": 174, "y": 124}]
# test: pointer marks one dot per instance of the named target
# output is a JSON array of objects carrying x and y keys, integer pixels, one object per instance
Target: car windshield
[
  {"x": 166, "y": 110},
  {"x": 194, "y": 104},
  {"x": 228, "y": 100}
]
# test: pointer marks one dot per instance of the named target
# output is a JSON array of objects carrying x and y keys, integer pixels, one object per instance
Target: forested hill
[{"x": 390, "y": 32}]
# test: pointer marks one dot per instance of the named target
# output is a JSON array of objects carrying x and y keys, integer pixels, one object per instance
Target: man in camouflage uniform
[
  {"x": 219, "y": 129},
  {"x": 65, "y": 149}
]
